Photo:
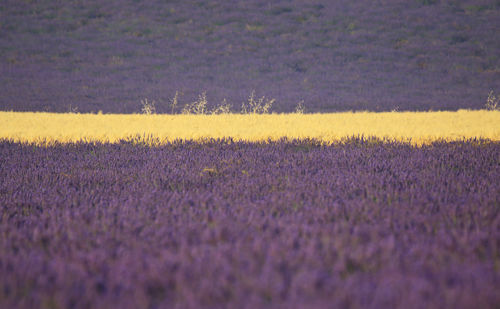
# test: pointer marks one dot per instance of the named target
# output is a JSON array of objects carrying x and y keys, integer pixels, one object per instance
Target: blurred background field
[
  {"x": 415, "y": 127},
  {"x": 57, "y": 56}
]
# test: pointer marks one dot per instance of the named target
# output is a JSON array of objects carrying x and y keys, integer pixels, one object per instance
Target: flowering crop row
[
  {"x": 417, "y": 127},
  {"x": 289, "y": 224}
]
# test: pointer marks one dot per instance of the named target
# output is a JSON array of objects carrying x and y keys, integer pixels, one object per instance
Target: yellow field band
[{"x": 415, "y": 127}]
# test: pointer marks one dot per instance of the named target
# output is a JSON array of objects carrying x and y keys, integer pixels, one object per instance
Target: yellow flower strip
[{"x": 415, "y": 127}]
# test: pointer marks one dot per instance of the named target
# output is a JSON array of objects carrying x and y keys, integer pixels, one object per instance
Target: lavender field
[
  {"x": 225, "y": 212},
  {"x": 340, "y": 55},
  {"x": 289, "y": 224}
]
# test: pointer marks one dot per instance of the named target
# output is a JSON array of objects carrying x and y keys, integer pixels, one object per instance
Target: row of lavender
[{"x": 286, "y": 224}]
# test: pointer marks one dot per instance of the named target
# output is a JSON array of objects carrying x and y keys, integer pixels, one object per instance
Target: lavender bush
[{"x": 290, "y": 224}]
